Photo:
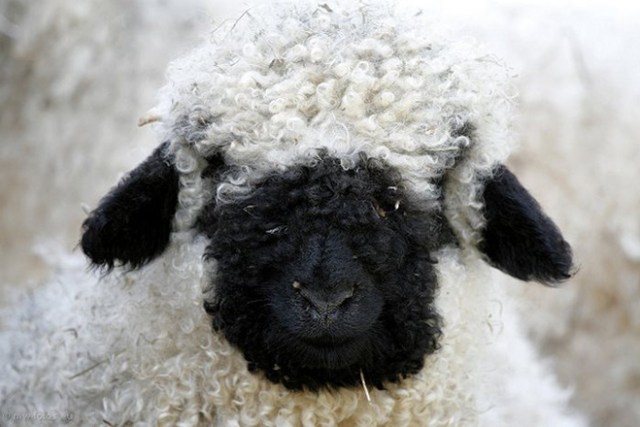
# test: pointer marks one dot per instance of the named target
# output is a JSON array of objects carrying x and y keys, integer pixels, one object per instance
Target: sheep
[{"x": 306, "y": 166}]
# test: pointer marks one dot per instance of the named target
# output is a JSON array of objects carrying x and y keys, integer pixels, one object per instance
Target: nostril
[
  {"x": 325, "y": 301},
  {"x": 345, "y": 295}
]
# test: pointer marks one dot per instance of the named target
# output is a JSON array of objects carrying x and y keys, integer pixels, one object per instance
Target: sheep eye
[
  {"x": 379, "y": 211},
  {"x": 383, "y": 212},
  {"x": 277, "y": 230}
]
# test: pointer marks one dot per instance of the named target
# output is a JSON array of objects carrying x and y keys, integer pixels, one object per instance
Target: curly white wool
[
  {"x": 278, "y": 86},
  {"x": 268, "y": 97},
  {"x": 171, "y": 369}
]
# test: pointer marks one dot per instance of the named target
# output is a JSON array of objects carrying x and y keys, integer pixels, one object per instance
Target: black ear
[
  {"x": 132, "y": 223},
  {"x": 519, "y": 238}
]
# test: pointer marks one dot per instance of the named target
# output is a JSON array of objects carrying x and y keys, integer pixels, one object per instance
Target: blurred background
[{"x": 75, "y": 77}]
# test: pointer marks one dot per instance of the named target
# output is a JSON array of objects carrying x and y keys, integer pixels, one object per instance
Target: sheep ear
[
  {"x": 132, "y": 223},
  {"x": 519, "y": 238}
]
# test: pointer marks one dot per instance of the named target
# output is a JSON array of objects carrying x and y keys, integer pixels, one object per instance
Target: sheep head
[{"x": 326, "y": 194}]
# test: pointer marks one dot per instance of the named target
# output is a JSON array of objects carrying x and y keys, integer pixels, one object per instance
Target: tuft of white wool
[{"x": 281, "y": 84}]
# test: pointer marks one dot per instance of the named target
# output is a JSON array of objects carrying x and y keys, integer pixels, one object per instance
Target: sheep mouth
[{"x": 331, "y": 353}]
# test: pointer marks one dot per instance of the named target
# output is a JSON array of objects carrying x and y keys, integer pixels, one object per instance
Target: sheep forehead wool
[{"x": 275, "y": 87}]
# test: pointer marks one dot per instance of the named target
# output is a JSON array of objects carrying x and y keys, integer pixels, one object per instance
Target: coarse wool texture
[
  {"x": 138, "y": 349},
  {"x": 569, "y": 75},
  {"x": 132, "y": 373},
  {"x": 281, "y": 85}
]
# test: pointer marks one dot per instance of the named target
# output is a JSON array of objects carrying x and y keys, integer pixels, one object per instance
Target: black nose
[{"x": 326, "y": 302}]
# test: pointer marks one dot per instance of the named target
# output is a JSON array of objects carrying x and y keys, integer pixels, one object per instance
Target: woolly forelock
[{"x": 285, "y": 82}]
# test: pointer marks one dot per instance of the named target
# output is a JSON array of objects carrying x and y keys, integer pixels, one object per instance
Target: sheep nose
[{"x": 325, "y": 302}]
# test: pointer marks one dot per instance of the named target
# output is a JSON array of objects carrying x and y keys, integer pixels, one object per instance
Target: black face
[{"x": 324, "y": 272}]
